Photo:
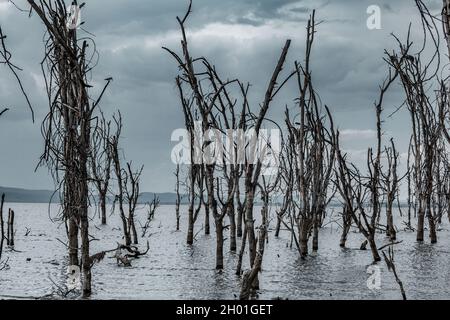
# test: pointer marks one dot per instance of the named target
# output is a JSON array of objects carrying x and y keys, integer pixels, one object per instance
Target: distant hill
[
  {"x": 164, "y": 198},
  {"x": 18, "y": 195},
  {"x": 28, "y": 196}
]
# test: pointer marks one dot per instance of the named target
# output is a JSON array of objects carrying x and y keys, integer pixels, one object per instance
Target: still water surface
[{"x": 173, "y": 270}]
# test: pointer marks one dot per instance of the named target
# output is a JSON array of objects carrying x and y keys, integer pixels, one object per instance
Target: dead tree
[
  {"x": 5, "y": 60},
  {"x": 440, "y": 178},
  {"x": 128, "y": 186},
  {"x": 68, "y": 126},
  {"x": 190, "y": 117},
  {"x": 119, "y": 172},
  {"x": 426, "y": 130},
  {"x": 240, "y": 205},
  {"x": 132, "y": 192},
  {"x": 411, "y": 203},
  {"x": 2, "y": 226},
  {"x": 312, "y": 154},
  {"x": 356, "y": 190},
  {"x": 10, "y": 237},
  {"x": 151, "y": 210},
  {"x": 253, "y": 171},
  {"x": 200, "y": 106},
  {"x": 101, "y": 161},
  {"x": 286, "y": 185},
  {"x": 201, "y": 199},
  {"x": 178, "y": 197},
  {"x": 210, "y": 98},
  {"x": 249, "y": 280},
  {"x": 354, "y": 193},
  {"x": 390, "y": 185},
  {"x": 446, "y": 23},
  {"x": 226, "y": 205},
  {"x": 346, "y": 225}
]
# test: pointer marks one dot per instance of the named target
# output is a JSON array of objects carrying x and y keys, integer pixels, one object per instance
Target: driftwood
[{"x": 124, "y": 254}]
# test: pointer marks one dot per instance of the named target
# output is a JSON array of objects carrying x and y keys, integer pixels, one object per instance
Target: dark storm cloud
[{"x": 242, "y": 38}]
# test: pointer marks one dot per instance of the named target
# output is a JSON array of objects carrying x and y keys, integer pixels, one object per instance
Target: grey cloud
[{"x": 243, "y": 39}]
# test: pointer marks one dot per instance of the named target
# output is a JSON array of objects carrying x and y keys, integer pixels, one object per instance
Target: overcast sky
[{"x": 242, "y": 38}]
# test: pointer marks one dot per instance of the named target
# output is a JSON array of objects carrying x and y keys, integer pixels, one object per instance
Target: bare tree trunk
[
  {"x": 374, "y": 249},
  {"x": 411, "y": 203},
  {"x": 178, "y": 223},
  {"x": 103, "y": 207},
  {"x": 190, "y": 231},
  {"x": 446, "y": 22},
  {"x": 73, "y": 241},
  {"x": 231, "y": 215},
  {"x": 178, "y": 198},
  {"x": 120, "y": 182},
  {"x": 219, "y": 244},
  {"x": 250, "y": 280},
  {"x": 84, "y": 213},
  {"x": 278, "y": 227},
  {"x": 315, "y": 244},
  {"x": 239, "y": 220},
  {"x": 391, "y": 267},
  {"x": 2, "y": 225},
  {"x": 346, "y": 225},
  {"x": 239, "y": 204},
  {"x": 67, "y": 126},
  {"x": 420, "y": 223},
  {"x": 345, "y": 230},
  {"x": 10, "y": 241},
  {"x": 241, "y": 252},
  {"x": 303, "y": 230},
  {"x": 133, "y": 229},
  {"x": 100, "y": 162},
  {"x": 207, "y": 224},
  {"x": 249, "y": 222},
  {"x": 432, "y": 225},
  {"x": 390, "y": 224},
  {"x": 391, "y": 186},
  {"x": 218, "y": 218},
  {"x": 85, "y": 257}
]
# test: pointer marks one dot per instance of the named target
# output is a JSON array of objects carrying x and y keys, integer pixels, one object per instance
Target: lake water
[{"x": 173, "y": 270}]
